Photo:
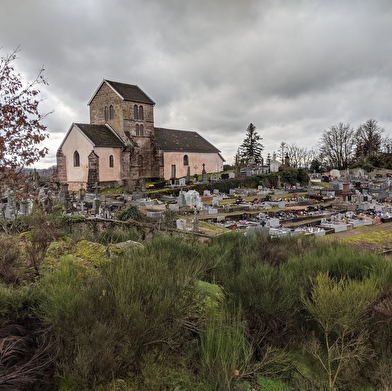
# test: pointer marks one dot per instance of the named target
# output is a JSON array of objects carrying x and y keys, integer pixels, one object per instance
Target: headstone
[
  {"x": 274, "y": 222},
  {"x": 195, "y": 223},
  {"x": 182, "y": 182},
  {"x": 192, "y": 197},
  {"x": 154, "y": 214},
  {"x": 257, "y": 230},
  {"x": 215, "y": 202},
  {"x": 204, "y": 174},
  {"x": 96, "y": 202},
  {"x": 181, "y": 224},
  {"x": 137, "y": 195},
  {"x": 181, "y": 202},
  {"x": 188, "y": 174}
]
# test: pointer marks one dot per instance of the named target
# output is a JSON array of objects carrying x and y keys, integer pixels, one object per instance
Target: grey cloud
[{"x": 292, "y": 68}]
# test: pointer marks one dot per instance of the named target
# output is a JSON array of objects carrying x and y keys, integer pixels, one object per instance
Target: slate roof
[
  {"x": 171, "y": 140},
  {"x": 130, "y": 92},
  {"x": 101, "y": 135}
]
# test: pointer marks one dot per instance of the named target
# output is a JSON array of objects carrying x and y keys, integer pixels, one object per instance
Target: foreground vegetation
[{"x": 233, "y": 313}]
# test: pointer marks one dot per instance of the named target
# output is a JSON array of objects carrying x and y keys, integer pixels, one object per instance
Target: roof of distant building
[
  {"x": 172, "y": 140},
  {"x": 101, "y": 135},
  {"x": 127, "y": 92}
]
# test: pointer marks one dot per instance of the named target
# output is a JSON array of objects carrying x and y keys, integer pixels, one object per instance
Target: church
[{"x": 122, "y": 147}]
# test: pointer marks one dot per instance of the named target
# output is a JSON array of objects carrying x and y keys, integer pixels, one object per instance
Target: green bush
[
  {"x": 272, "y": 385},
  {"x": 112, "y": 236},
  {"x": 226, "y": 356},
  {"x": 131, "y": 212}
]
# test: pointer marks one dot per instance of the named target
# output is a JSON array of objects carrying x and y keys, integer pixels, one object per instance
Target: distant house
[{"x": 121, "y": 146}]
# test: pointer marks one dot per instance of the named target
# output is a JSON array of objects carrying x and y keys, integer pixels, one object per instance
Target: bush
[
  {"x": 9, "y": 259},
  {"x": 272, "y": 385},
  {"x": 131, "y": 212},
  {"x": 226, "y": 356},
  {"x": 112, "y": 236}
]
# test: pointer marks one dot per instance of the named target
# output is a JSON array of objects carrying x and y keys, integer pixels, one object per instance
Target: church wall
[
  {"x": 212, "y": 161},
  {"x": 105, "y": 97},
  {"x": 78, "y": 176}
]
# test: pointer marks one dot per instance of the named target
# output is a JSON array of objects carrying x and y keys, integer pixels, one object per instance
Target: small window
[
  {"x": 106, "y": 113},
  {"x": 186, "y": 160},
  {"x": 140, "y": 161},
  {"x": 111, "y": 112},
  {"x": 137, "y": 130},
  {"x": 141, "y": 113},
  {"x": 141, "y": 130},
  {"x": 135, "y": 116},
  {"x": 76, "y": 159},
  {"x": 111, "y": 161}
]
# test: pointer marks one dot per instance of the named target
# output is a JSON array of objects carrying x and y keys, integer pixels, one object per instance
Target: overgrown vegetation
[{"x": 235, "y": 313}]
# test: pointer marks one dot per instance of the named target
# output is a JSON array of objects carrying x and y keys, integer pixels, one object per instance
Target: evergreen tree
[{"x": 251, "y": 148}]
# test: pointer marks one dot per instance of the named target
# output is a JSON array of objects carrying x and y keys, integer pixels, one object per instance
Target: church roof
[
  {"x": 101, "y": 135},
  {"x": 127, "y": 92},
  {"x": 171, "y": 140}
]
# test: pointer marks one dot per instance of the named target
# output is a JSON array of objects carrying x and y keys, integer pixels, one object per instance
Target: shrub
[
  {"x": 226, "y": 356},
  {"x": 272, "y": 385},
  {"x": 112, "y": 236},
  {"x": 9, "y": 259},
  {"x": 131, "y": 212}
]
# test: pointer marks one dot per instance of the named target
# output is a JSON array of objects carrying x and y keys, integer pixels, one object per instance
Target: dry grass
[{"x": 376, "y": 237}]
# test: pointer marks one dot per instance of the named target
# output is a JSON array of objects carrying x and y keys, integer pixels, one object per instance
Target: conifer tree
[{"x": 251, "y": 148}]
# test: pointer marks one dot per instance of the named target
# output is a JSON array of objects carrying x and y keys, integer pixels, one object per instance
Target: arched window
[
  {"x": 141, "y": 130},
  {"x": 140, "y": 161},
  {"x": 106, "y": 113},
  {"x": 135, "y": 116},
  {"x": 186, "y": 160},
  {"x": 137, "y": 130},
  {"x": 111, "y": 161},
  {"x": 76, "y": 159},
  {"x": 141, "y": 113},
  {"x": 111, "y": 112}
]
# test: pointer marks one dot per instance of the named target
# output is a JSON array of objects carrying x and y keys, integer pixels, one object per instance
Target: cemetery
[{"x": 347, "y": 202}]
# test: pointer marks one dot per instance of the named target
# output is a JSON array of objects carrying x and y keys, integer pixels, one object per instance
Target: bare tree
[
  {"x": 368, "y": 139},
  {"x": 300, "y": 157},
  {"x": 336, "y": 145}
]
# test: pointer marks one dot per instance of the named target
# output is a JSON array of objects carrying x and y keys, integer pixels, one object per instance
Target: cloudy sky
[{"x": 293, "y": 68}]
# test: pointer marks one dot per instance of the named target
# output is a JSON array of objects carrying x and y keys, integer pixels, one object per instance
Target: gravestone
[
  {"x": 215, "y": 202},
  {"x": 181, "y": 202},
  {"x": 137, "y": 195},
  {"x": 181, "y": 224},
  {"x": 204, "y": 174}
]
